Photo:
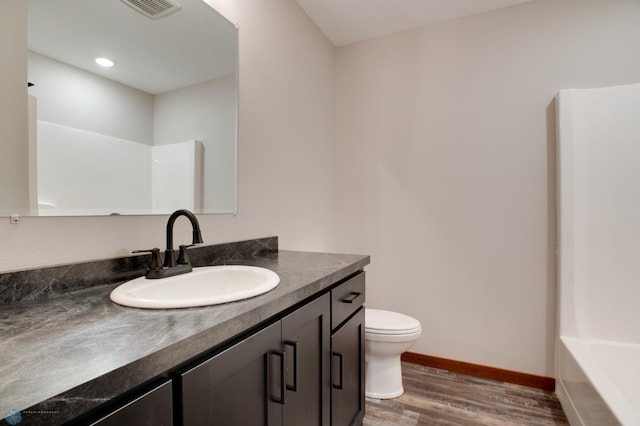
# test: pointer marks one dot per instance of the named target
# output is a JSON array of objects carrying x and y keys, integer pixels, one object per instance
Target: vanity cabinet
[
  {"x": 303, "y": 367},
  {"x": 347, "y": 352},
  {"x": 276, "y": 376}
]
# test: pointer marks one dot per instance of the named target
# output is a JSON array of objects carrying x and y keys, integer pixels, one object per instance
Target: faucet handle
[
  {"x": 183, "y": 258},
  {"x": 156, "y": 263}
]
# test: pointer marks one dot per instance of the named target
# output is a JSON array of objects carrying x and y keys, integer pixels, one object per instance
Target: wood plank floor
[{"x": 439, "y": 397}]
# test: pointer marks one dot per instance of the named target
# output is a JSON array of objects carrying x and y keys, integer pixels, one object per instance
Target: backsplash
[{"x": 39, "y": 283}]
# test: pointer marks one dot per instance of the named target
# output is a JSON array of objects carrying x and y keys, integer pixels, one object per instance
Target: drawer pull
[
  {"x": 294, "y": 345},
  {"x": 281, "y": 355},
  {"x": 351, "y": 297},
  {"x": 339, "y": 357}
]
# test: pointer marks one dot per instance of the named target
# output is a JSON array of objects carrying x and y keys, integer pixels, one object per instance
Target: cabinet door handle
[
  {"x": 294, "y": 345},
  {"x": 351, "y": 297},
  {"x": 339, "y": 385},
  {"x": 281, "y": 355}
]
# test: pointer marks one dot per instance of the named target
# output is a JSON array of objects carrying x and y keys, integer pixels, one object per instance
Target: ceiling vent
[{"x": 154, "y": 9}]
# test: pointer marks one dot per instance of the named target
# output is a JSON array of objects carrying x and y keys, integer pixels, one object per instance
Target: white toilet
[{"x": 387, "y": 335}]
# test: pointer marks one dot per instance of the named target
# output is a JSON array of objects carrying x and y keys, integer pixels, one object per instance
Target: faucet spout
[{"x": 169, "y": 259}]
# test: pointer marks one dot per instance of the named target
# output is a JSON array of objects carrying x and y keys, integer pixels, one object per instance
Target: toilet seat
[{"x": 378, "y": 321}]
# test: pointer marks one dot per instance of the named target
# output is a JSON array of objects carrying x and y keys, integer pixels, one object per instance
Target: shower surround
[{"x": 598, "y": 348}]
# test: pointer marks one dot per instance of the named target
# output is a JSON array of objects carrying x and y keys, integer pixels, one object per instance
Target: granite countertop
[{"x": 64, "y": 355}]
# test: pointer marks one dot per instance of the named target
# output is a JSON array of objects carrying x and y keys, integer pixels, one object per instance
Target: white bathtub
[
  {"x": 598, "y": 345},
  {"x": 600, "y": 383}
]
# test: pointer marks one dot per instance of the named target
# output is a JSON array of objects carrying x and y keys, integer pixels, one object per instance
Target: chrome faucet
[{"x": 172, "y": 267}]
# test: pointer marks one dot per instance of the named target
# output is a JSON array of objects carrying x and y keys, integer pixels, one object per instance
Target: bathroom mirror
[{"x": 153, "y": 133}]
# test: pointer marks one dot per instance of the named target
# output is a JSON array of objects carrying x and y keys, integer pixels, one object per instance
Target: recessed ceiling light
[{"x": 105, "y": 62}]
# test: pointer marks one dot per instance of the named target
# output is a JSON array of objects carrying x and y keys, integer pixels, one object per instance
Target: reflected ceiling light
[{"x": 104, "y": 62}]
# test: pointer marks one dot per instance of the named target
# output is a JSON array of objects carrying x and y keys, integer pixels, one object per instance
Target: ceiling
[
  {"x": 193, "y": 45},
  {"x": 350, "y": 21},
  {"x": 74, "y": 31}
]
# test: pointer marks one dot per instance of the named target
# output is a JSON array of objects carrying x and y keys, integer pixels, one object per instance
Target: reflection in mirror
[{"x": 153, "y": 133}]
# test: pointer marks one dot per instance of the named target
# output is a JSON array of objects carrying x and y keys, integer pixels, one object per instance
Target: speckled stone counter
[{"x": 66, "y": 354}]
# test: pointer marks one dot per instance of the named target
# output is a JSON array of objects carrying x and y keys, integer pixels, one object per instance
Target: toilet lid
[{"x": 386, "y": 322}]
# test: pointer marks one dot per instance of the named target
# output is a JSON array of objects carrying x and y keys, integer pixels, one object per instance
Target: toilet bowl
[{"x": 387, "y": 335}]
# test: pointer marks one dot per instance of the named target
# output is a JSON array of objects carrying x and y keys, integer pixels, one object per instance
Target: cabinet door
[
  {"x": 347, "y": 372},
  {"x": 240, "y": 386},
  {"x": 306, "y": 339},
  {"x": 152, "y": 408}
]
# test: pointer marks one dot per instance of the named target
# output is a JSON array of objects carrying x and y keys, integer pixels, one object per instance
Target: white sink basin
[{"x": 209, "y": 285}]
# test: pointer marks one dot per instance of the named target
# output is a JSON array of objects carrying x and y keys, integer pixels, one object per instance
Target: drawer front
[{"x": 346, "y": 299}]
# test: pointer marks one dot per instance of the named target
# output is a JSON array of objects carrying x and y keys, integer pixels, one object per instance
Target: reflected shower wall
[
  {"x": 67, "y": 104},
  {"x": 77, "y": 168}
]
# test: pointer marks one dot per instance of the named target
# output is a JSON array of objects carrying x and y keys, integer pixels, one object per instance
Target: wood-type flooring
[{"x": 439, "y": 397}]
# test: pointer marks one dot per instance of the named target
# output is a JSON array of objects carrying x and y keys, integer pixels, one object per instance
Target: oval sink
[{"x": 209, "y": 285}]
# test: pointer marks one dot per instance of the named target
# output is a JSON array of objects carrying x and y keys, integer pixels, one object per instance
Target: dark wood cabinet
[
  {"x": 277, "y": 376},
  {"x": 151, "y": 408},
  {"x": 240, "y": 386},
  {"x": 306, "y": 340},
  {"x": 347, "y": 352},
  {"x": 306, "y": 367},
  {"x": 347, "y": 376}
]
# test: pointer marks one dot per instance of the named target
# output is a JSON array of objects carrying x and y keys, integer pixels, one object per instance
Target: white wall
[
  {"x": 79, "y": 99},
  {"x": 287, "y": 164},
  {"x": 447, "y": 157},
  {"x": 14, "y": 190}
]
